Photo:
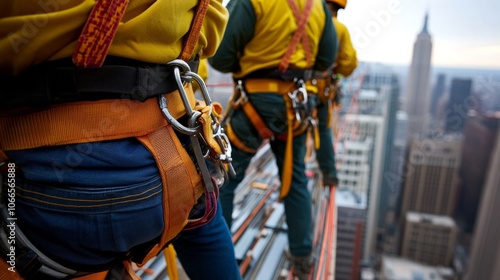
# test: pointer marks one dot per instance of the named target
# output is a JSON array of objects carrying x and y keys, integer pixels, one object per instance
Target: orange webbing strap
[
  {"x": 269, "y": 85},
  {"x": 129, "y": 272},
  {"x": 171, "y": 260},
  {"x": 299, "y": 33},
  {"x": 98, "y": 33},
  {"x": 181, "y": 183},
  {"x": 286, "y": 177},
  {"x": 236, "y": 141},
  {"x": 8, "y": 273},
  {"x": 205, "y": 119},
  {"x": 283, "y": 88},
  {"x": 194, "y": 30},
  {"x": 82, "y": 122},
  {"x": 304, "y": 39},
  {"x": 252, "y": 114}
]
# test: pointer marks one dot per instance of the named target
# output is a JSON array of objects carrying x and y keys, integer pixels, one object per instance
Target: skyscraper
[
  {"x": 417, "y": 98},
  {"x": 485, "y": 256},
  {"x": 351, "y": 216},
  {"x": 369, "y": 125},
  {"x": 437, "y": 93},
  {"x": 458, "y": 105},
  {"x": 431, "y": 181},
  {"x": 480, "y": 132}
]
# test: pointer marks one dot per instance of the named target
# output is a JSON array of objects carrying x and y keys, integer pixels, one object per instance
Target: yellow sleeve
[
  {"x": 203, "y": 69},
  {"x": 346, "y": 60},
  {"x": 150, "y": 31}
]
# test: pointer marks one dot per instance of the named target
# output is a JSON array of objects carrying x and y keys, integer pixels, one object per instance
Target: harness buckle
[
  {"x": 243, "y": 98},
  {"x": 299, "y": 100}
]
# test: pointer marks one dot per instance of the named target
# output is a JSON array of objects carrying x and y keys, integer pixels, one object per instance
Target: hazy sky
[{"x": 464, "y": 33}]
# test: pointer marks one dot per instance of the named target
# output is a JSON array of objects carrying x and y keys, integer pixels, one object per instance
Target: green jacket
[{"x": 259, "y": 32}]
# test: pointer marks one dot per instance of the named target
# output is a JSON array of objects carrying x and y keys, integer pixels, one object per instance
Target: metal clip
[
  {"x": 299, "y": 99},
  {"x": 182, "y": 72},
  {"x": 243, "y": 98}
]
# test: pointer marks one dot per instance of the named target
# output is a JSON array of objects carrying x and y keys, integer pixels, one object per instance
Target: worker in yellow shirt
[
  {"x": 100, "y": 137},
  {"x": 345, "y": 63}
]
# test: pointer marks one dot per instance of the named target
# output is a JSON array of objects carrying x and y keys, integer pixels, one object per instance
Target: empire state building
[{"x": 417, "y": 99}]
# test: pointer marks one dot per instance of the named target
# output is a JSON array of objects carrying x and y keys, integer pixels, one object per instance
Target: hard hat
[{"x": 341, "y": 3}]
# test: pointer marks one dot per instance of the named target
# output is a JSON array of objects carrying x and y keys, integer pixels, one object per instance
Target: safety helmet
[{"x": 341, "y": 3}]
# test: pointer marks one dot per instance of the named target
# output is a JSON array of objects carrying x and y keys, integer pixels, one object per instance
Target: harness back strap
[
  {"x": 304, "y": 38},
  {"x": 98, "y": 33},
  {"x": 298, "y": 35},
  {"x": 279, "y": 87},
  {"x": 194, "y": 30}
]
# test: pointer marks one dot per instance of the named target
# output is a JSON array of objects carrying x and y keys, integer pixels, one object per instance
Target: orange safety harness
[
  {"x": 152, "y": 122},
  {"x": 294, "y": 93},
  {"x": 328, "y": 92}
]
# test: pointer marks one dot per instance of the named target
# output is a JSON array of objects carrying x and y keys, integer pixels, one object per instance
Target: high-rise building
[
  {"x": 369, "y": 123},
  {"x": 417, "y": 96},
  {"x": 480, "y": 134},
  {"x": 378, "y": 77},
  {"x": 458, "y": 105},
  {"x": 437, "y": 93},
  {"x": 394, "y": 178},
  {"x": 484, "y": 261},
  {"x": 370, "y": 115},
  {"x": 431, "y": 175},
  {"x": 351, "y": 217},
  {"x": 353, "y": 164},
  {"x": 429, "y": 239},
  {"x": 394, "y": 268}
]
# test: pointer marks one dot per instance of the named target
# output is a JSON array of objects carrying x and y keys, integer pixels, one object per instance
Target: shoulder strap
[
  {"x": 194, "y": 30},
  {"x": 98, "y": 33},
  {"x": 298, "y": 35},
  {"x": 102, "y": 23}
]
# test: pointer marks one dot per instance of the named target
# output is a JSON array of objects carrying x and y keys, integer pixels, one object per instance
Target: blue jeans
[{"x": 87, "y": 205}]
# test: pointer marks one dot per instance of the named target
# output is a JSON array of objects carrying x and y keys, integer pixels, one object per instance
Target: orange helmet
[{"x": 341, "y": 3}]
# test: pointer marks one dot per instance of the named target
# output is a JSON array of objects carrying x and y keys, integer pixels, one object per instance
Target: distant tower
[
  {"x": 417, "y": 99},
  {"x": 458, "y": 104},
  {"x": 437, "y": 93}
]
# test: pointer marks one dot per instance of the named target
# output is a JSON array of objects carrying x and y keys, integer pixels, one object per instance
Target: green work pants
[{"x": 298, "y": 202}]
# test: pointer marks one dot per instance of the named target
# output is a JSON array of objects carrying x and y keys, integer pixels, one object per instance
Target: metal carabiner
[
  {"x": 243, "y": 98},
  {"x": 162, "y": 101},
  {"x": 182, "y": 72},
  {"x": 301, "y": 88},
  {"x": 295, "y": 107}
]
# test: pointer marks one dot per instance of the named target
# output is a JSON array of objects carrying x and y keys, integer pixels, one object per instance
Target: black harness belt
[{"x": 45, "y": 85}]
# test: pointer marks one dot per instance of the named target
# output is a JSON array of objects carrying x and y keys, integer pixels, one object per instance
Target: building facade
[{"x": 429, "y": 239}]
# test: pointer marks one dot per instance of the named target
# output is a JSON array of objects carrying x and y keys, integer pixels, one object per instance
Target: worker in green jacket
[
  {"x": 344, "y": 65},
  {"x": 271, "y": 47}
]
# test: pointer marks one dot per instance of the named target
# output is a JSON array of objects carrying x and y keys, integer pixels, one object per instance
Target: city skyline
[{"x": 464, "y": 36}]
